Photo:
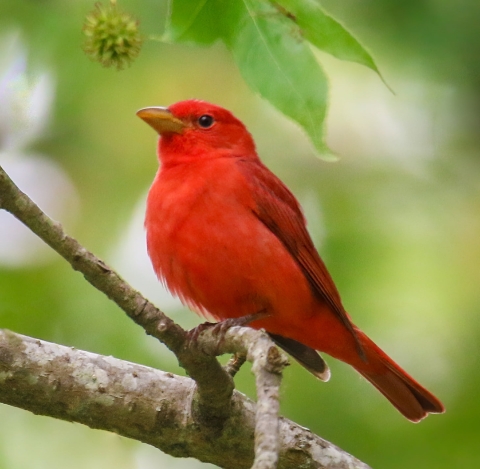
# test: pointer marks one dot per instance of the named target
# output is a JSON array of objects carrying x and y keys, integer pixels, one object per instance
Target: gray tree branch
[
  {"x": 145, "y": 404},
  {"x": 211, "y": 404}
]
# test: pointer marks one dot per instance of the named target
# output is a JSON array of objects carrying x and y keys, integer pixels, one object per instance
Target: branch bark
[
  {"x": 145, "y": 404},
  {"x": 211, "y": 404}
]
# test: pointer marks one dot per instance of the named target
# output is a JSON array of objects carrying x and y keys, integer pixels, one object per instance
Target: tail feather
[{"x": 409, "y": 397}]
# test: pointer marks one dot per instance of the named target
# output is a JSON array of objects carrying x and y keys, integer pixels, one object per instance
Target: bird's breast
[{"x": 207, "y": 245}]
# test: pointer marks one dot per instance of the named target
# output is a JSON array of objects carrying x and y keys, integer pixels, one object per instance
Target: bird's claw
[{"x": 219, "y": 329}]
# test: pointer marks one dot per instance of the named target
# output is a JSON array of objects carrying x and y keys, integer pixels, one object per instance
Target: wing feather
[{"x": 277, "y": 208}]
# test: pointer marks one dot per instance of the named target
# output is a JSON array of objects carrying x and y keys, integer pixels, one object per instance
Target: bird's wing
[{"x": 277, "y": 208}]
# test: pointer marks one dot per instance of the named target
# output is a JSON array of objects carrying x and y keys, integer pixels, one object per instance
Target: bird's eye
[{"x": 206, "y": 121}]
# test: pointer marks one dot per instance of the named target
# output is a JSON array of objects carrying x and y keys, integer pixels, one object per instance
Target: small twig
[{"x": 268, "y": 363}]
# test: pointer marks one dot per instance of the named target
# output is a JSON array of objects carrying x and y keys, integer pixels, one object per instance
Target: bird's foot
[
  {"x": 242, "y": 321},
  {"x": 219, "y": 329},
  {"x": 192, "y": 334},
  {"x": 235, "y": 363}
]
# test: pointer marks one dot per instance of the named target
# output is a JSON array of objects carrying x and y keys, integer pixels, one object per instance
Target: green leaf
[
  {"x": 194, "y": 21},
  {"x": 270, "y": 41},
  {"x": 324, "y": 32},
  {"x": 275, "y": 60}
]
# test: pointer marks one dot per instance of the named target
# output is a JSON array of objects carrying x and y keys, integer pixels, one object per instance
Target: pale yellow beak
[{"x": 161, "y": 119}]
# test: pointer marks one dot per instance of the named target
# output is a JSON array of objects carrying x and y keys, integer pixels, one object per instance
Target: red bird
[{"x": 230, "y": 240}]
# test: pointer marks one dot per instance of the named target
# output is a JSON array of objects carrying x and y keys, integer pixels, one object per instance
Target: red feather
[{"x": 229, "y": 238}]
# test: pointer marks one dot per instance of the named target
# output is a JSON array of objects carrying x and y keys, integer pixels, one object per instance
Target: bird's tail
[{"x": 408, "y": 396}]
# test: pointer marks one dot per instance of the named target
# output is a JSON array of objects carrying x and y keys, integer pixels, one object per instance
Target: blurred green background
[{"x": 397, "y": 219}]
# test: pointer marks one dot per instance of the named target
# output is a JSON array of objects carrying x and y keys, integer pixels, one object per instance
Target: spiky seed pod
[{"x": 111, "y": 36}]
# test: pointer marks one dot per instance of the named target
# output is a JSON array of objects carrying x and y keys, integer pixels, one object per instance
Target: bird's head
[{"x": 192, "y": 130}]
